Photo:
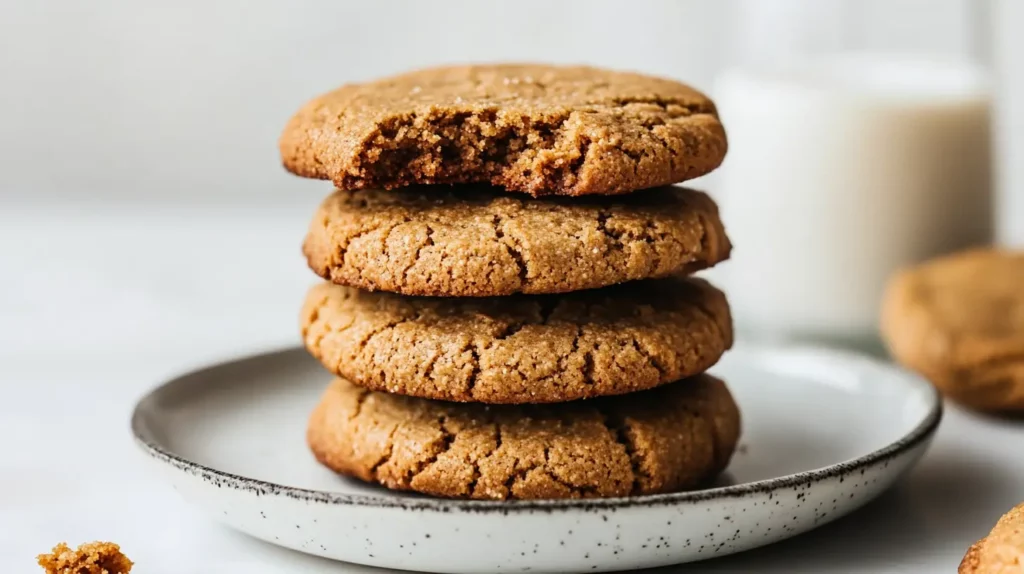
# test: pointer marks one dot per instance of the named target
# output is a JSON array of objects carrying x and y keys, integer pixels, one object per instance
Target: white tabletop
[{"x": 97, "y": 304}]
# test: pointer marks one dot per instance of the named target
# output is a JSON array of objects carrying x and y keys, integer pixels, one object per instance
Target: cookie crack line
[
  {"x": 474, "y": 365},
  {"x": 618, "y": 427},
  {"x": 510, "y": 331},
  {"x": 574, "y": 351},
  {"x": 343, "y": 249},
  {"x": 428, "y": 241},
  {"x": 550, "y": 471},
  {"x": 447, "y": 439},
  {"x": 665, "y": 104},
  {"x": 313, "y": 317},
  {"x": 365, "y": 340},
  {"x": 471, "y": 488},
  {"x": 649, "y": 358},
  {"x": 514, "y": 250},
  {"x": 389, "y": 451},
  {"x": 520, "y": 474},
  {"x": 360, "y": 400}
]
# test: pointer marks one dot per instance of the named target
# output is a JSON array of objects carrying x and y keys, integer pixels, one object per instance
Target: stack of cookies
[{"x": 508, "y": 307}]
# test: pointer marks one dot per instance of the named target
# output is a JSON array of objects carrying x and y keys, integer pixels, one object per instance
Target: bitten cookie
[
  {"x": 959, "y": 321},
  {"x": 1002, "y": 551},
  {"x": 532, "y": 128},
  {"x": 475, "y": 241},
  {"x": 522, "y": 348},
  {"x": 667, "y": 439}
]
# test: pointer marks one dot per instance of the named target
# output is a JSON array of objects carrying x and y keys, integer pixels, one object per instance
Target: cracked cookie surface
[
  {"x": 521, "y": 348},
  {"x": 477, "y": 241},
  {"x": 1002, "y": 551},
  {"x": 533, "y": 128},
  {"x": 959, "y": 321},
  {"x": 672, "y": 438}
]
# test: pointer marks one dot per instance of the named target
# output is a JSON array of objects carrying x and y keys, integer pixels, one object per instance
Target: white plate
[{"x": 823, "y": 433}]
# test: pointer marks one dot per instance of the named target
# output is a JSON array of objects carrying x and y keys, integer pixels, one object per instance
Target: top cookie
[
  {"x": 472, "y": 242},
  {"x": 531, "y": 128},
  {"x": 959, "y": 320}
]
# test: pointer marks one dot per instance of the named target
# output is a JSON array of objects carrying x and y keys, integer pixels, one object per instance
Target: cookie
[
  {"x": 522, "y": 348},
  {"x": 1002, "y": 551},
  {"x": 667, "y": 439},
  {"x": 959, "y": 321},
  {"x": 475, "y": 241},
  {"x": 532, "y": 128},
  {"x": 88, "y": 558}
]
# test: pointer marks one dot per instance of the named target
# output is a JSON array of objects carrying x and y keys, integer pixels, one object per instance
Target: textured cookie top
[
  {"x": 475, "y": 241},
  {"x": 959, "y": 320},
  {"x": 522, "y": 348},
  {"x": 667, "y": 439},
  {"x": 532, "y": 128},
  {"x": 1002, "y": 551},
  {"x": 88, "y": 558}
]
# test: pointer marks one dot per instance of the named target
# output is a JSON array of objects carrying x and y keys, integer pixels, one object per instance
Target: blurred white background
[
  {"x": 138, "y": 140},
  {"x": 179, "y": 101}
]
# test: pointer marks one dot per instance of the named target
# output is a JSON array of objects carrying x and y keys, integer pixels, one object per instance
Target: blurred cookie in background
[
  {"x": 1002, "y": 551},
  {"x": 959, "y": 321}
]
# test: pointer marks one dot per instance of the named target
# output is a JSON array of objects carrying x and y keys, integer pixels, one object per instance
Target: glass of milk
[
  {"x": 1008, "y": 112},
  {"x": 843, "y": 167}
]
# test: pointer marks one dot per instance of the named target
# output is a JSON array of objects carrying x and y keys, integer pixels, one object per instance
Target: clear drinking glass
[{"x": 845, "y": 163}]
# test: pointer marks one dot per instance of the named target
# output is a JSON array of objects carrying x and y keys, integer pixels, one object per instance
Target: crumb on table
[{"x": 89, "y": 558}]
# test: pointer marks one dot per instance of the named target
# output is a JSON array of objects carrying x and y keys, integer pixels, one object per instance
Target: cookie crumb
[{"x": 88, "y": 558}]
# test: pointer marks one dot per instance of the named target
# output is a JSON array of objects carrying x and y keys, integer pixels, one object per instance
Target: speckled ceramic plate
[{"x": 823, "y": 433}]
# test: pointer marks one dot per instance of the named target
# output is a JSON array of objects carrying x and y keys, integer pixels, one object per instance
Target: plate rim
[{"x": 922, "y": 432}]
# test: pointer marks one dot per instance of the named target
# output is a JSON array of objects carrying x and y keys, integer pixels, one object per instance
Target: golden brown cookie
[
  {"x": 1002, "y": 551},
  {"x": 88, "y": 558},
  {"x": 959, "y": 321},
  {"x": 522, "y": 348},
  {"x": 667, "y": 439},
  {"x": 533, "y": 128},
  {"x": 475, "y": 241}
]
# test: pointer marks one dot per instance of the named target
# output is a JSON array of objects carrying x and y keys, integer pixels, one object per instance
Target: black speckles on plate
[{"x": 355, "y": 523}]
